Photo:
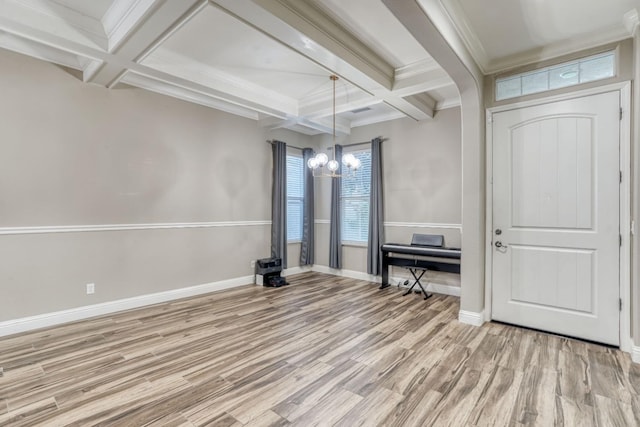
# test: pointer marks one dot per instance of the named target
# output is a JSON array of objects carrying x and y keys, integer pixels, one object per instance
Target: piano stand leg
[{"x": 417, "y": 282}]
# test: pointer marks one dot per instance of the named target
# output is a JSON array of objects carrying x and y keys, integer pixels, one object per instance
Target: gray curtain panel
[
  {"x": 335, "y": 236},
  {"x": 279, "y": 202},
  {"x": 306, "y": 248},
  {"x": 376, "y": 211}
]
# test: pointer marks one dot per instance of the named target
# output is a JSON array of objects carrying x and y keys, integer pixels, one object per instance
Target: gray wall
[
  {"x": 422, "y": 164},
  {"x": 75, "y": 154}
]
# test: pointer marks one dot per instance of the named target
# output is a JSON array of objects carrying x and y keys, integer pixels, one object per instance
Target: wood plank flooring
[{"x": 323, "y": 351}]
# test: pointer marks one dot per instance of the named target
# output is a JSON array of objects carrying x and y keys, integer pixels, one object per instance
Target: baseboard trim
[
  {"x": 438, "y": 288},
  {"x": 635, "y": 353},
  {"x": 352, "y": 274},
  {"x": 39, "y": 321},
  {"x": 471, "y": 318},
  {"x": 296, "y": 270}
]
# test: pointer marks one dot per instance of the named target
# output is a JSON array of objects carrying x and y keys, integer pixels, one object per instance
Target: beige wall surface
[
  {"x": 422, "y": 166},
  {"x": 75, "y": 154}
]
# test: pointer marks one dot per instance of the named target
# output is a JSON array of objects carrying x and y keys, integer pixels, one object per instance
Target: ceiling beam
[
  {"x": 30, "y": 40},
  {"x": 303, "y": 27},
  {"x": 153, "y": 25},
  {"x": 423, "y": 81}
]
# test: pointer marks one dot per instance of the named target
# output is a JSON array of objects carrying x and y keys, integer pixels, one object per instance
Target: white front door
[{"x": 556, "y": 208}]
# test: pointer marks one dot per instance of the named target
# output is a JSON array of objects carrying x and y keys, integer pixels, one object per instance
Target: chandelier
[{"x": 320, "y": 163}]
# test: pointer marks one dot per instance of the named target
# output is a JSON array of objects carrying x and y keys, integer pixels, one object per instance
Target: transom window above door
[{"x": 588, "y": 69}]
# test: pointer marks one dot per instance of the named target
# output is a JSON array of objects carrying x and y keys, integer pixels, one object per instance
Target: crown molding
[
  {"x": 447, "y": 103},
  {"x": 186, "y": 94},
  {"x": 487, "y": 65},
  {"x": 53, "y": 21},
  {"x": 122, "y": 16},
  {"x": 415, "y": 69},
  {"x": 40, "y": 51},
  {"x": 423, "y": 101},
  {"x": 558, "y": 49},
  {"x": 378, "y": 118},
  {"x": 244, "y": 92},
  {"x": 421, "y": 81},
  {"x": 322, "y": 104},
  {"x": 469, "y": 37},
  {"x": 631, "y": 22}
]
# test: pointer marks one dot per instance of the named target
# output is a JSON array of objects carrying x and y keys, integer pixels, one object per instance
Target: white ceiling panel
[{"x": 221, "y": 42}]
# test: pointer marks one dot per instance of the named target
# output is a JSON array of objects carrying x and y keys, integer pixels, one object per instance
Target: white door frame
[{"x": 625, "y": 198}]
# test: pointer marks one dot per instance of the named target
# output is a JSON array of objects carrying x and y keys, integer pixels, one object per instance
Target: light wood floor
[{"x": 324, "y": 351}]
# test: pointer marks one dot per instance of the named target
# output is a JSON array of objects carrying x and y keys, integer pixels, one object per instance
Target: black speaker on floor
[{"x": 270, "y": 270}]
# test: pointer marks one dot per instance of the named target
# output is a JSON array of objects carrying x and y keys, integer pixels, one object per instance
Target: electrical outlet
[
  {"x": 91, "y": 288},
  {"x": 253, "y": 264}
]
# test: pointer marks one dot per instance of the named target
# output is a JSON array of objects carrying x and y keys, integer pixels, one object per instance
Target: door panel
[{"x": 556, "y": 203}]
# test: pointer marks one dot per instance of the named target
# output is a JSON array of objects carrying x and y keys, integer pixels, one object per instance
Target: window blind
[
  {"x": 355, "y": 200},
  {"x": 295, "y": 195}
]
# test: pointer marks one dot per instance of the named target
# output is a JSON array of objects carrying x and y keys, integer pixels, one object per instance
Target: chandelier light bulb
[
  {"x": 356, "y": 164},
  {"x": 322, "y": 159},
  {"x": 348, "y": 160},
  {"x": 333, "y": 165},
  {"x": 313, "y": 163}
]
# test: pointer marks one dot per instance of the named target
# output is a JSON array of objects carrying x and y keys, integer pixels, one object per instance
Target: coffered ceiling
[{"x": 268, "y": 60}]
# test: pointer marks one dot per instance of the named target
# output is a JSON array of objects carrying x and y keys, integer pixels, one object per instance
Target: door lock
[{"x": 498, "y": 231}]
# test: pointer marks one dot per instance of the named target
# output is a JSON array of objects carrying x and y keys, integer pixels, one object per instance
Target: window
[
  {"x": 355, "y": 201},
  {"x": 295, "y": 195},
  {"x": 589, "y": 69}
]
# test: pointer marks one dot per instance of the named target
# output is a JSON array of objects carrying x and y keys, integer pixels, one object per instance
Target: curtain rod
[
  {"x": 288, "y": 146},
  {"x": 331, "y": 148},
  {"x": 358, "y": 143}
]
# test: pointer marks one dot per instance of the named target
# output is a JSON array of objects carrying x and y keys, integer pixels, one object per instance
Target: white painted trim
[
  {"x": 631, "y": 21},
  {"x": 188, "y": 94},
  {"x": 471, "y": 318},
  {"x": 125, "y": 227},
  {"x": 121, "y": 17},
  {"x": 625, "y": 196},
  {"x": 465, "y": 30},
  {"x": 24, "y": 324},
  {"x": 296, "y": 270},
  {"x": 625, "y": 218},
  {"x": 346, "y": 273},
  {"x": 422, "y": 225},
  {"x": 635, "y": 353},
  {"x": 322, "y": 221},
  {"x": 438, "y": 288},
  {"x": 612, "y": 87},
  {"x": 359, "y": 275}
]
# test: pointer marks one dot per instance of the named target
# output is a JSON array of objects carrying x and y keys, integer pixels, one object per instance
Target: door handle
[{"x": 500, "y": 245}]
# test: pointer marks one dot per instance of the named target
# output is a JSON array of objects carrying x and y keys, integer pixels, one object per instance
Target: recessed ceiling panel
[{"x": 220, "y": 42}]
